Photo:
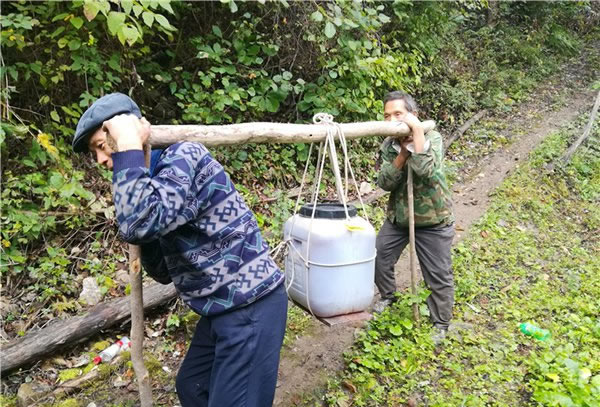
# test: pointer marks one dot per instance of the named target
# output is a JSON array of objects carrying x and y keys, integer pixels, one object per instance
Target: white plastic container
[{"x": 341, "y": 260}]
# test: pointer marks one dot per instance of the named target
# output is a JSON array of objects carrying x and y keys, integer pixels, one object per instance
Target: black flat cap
[{"x": 101, "y": 110}]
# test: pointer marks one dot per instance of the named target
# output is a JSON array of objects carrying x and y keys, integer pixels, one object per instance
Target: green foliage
[
  {"x": 298, "y": 324},
  {"x": 173, "y": 322}
]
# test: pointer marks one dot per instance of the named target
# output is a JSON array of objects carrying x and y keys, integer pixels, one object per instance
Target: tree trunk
[
  {"x": 34, "y": 346},
  {"x": 210, "y": 136}
]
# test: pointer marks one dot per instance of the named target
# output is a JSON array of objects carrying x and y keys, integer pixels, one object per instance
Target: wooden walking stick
[
  {"x": 137, "y": 316},
  {"x": 137, "y": 306},
  {"x": 411, "y": 238}
]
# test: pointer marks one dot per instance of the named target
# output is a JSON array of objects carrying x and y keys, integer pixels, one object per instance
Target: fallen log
[
  {"x": 461, "y": 130},
  {"x": 586, "y": 132},
  {"x": 34, "y": 346},
  {"x": 242, "y": 133}
]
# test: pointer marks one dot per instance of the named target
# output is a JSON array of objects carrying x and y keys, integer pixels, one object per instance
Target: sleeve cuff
[{"x": 127, "y": 159}]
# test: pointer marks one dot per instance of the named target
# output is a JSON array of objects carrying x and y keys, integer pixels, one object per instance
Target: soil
[{"x": 318, "y": 355}]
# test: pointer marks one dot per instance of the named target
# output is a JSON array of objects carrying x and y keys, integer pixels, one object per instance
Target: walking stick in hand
[
  {"x": 137, "y": 307},
  {"x": 411, "y": 238},
  {"x": 137, "y": 316}
]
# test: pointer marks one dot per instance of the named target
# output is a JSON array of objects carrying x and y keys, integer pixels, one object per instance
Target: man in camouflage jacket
[{"x": 434, "y": 221}]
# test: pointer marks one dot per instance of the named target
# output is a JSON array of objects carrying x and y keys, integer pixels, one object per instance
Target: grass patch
[
  {"x": 299, "y": 323},
  {"x": 533, "y": 257}
]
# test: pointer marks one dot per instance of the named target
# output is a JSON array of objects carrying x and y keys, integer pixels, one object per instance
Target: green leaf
[
  {"x": 57, "y": 32},
  {"x": 173, "y": 320},
  {"x": 115, "y": 20},
  {"x": 384, "y": 19},
  {"x": 54, "y": 115},
  {"x": 166, "y": 4},
  {"x": 70, "y": 112},
  {"x": 60, "y": 16},
  {"x": 217, "y": 31},
  {"x": 317, "y": 16},
  {"x": 148, "y": 18},
  {"x": 56, "y": 180},
  {"x": 91, "y": 9},
  {"x": 131, "y": 34},
  {"x": 162, "y": 20},
  {"x": 37, "y": 67},
  {"x": 62, "y": 42},
  {"x": 114, "y": 62},
  {"x": 74, "y": 44},
  {"x": 329, "y": 30},
  {"x": 127, "y": 6},
  {"x": 233, "y": 7},
  {"x": 272, "y": 102},
  {"x": 137, "y": 10},
  {"x": 77, "y": 22},
  {"x": 406, "y": 323},
  {"x": 396, "y": 330}
]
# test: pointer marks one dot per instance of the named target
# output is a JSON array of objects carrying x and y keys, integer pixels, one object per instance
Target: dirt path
[{"x": 319, "y": 354}]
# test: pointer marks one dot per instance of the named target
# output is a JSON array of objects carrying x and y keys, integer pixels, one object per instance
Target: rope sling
[{"x": 327, "y": 146}]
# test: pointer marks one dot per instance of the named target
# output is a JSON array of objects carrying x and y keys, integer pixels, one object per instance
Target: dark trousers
[
  {"x": 433, "y": 246},
  {"x": 233, "y": 358}
]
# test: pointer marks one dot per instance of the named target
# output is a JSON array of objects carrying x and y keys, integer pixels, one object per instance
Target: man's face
[
  {"x": 97, "y": 144},
  {"x": 394, "y": 111}
]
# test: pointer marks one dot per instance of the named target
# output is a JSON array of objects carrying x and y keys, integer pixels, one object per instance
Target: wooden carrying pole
[
  {"x": 230, "y": 134},
  {"x": 411, "y": 238}
]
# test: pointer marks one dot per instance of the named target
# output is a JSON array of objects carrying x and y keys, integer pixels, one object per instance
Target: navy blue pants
[{"x": 233, "y": 357}]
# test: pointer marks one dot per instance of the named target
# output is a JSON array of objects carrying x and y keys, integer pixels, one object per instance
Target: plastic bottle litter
[
  {"x": 113, "y": 350},
  {"x": 534, "y": 331}
]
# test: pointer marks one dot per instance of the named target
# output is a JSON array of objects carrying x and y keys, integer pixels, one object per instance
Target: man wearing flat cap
[{"x": 195, "y": 230}]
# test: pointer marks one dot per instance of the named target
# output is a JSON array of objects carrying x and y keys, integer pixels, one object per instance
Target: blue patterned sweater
[{"x": 194, "y": 228}]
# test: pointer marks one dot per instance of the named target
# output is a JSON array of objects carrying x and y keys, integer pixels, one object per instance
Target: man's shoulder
[{"x": 185, "y": 149}]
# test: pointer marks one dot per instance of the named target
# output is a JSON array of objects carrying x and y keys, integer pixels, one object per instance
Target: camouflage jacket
[{"x": 433, "y": 203}]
